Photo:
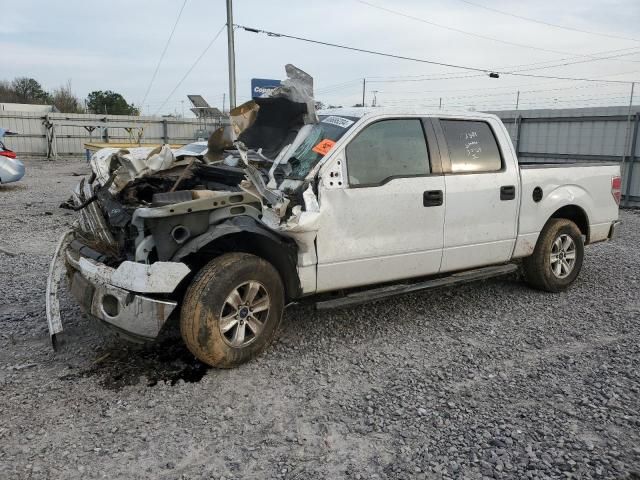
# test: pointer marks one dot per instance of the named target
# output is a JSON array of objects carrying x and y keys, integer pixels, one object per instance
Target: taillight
[
  {"x": 616, "y": 188},
  {"x": 8, "y": 153}
]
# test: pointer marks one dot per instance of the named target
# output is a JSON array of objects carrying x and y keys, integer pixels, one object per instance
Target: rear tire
[
  {"x": 232, "y": 310},
  {"x": 557, "y": 258}
]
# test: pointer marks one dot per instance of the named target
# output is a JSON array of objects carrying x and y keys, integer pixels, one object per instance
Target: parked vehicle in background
[
  {"x": 11, "y": 169},
  {"x": 304, "y": 203},
  {"x": 195, "y": 149}
]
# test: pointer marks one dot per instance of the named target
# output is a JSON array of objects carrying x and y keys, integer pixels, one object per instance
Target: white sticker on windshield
[{"x": 339, "y": 121}]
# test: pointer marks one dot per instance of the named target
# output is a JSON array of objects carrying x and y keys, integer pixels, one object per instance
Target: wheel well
[
  {"x": 577, "y": 215},
  {"x": 281, "y": 255}
]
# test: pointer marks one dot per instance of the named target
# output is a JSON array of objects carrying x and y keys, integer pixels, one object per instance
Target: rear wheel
[
  {"x": 557, "y": 258},
  {"x": 232, "y": 310}
]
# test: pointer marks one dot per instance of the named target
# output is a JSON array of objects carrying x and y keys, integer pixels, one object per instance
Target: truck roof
[{"x": 360, "y": 112}]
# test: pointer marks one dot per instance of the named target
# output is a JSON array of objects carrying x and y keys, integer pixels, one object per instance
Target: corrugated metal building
[{"x": 599, "y": 134}]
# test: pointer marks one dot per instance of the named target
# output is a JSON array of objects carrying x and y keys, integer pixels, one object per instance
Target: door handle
[
  {"x": 508, "y": 192},
  {"x": 432, "y": 198}
]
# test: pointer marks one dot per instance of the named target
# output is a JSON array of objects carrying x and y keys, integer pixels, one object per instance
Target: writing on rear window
[{"x": 472, "y": 146}]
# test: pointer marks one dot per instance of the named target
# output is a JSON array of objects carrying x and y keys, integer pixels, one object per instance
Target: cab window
[{"x": 385, "y": 150}]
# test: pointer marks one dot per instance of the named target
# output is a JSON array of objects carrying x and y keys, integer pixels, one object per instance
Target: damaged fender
[{"x": 281, "y": 251}]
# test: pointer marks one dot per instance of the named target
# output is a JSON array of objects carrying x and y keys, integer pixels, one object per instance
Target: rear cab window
[{"x": 472, "y": 146}]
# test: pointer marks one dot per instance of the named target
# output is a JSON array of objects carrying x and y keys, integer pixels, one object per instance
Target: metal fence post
[
  {"x": 105, "y": 131},
  {"x": 519, "y": 120},
  {"x": 632, "y": 160},
  {"x": 165, "y": 131}
]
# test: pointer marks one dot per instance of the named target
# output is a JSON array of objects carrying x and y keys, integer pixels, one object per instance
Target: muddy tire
[
  {"x": 232, "y": 310},
  {"x": 557, "y": 258}
]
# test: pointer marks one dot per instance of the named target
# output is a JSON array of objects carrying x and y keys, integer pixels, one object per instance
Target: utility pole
[
  {"x": 374, "y": 98},
  {"x": 231, "y": 56},
  {"x": 182, "y": 103},
  {"x": 364, "y": 89},
  {"x": 440, "y": 107},
  {"x": 224, "y": 100},
  {"x": 517, "y": 100}
]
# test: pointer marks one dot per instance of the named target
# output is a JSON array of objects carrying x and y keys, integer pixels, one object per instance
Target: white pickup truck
[{"x": 363, "y": 203}]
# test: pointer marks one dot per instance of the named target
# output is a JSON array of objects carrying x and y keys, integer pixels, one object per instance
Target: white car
[
  {"x": 11, "y": 169},
  {"x": 195, "y": 149}
]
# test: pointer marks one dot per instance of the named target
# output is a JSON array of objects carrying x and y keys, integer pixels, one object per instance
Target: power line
[
  {"x": 542, "y": 64},
  {"x": 362, "y": 50},
  {"x": 549, "y": 24},
  {"x": 464, "y": 32},
  {"x": 164, "y": 51},
  {"x": 491, "y": 72},
  {"x": 191, "y": 68},
  {"x": 339, "y": 86},
  {"x": 509, "y": 68},
  {"x": 484, "y": 95}
]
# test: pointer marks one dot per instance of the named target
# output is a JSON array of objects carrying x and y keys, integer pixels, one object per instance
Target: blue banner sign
[{"x": 263, "y": 87}]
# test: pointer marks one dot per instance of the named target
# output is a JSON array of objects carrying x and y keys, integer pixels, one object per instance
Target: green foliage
[
  {"x": 23, "y": 90},
  {"x": 109, "y": 102}
]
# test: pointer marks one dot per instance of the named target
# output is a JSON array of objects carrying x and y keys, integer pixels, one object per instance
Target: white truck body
[
  {"x": 384, "y": 233},
  {"x": 389, "y": 195}
]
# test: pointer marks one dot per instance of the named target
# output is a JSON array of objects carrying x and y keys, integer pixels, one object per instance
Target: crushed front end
[{"x": 145, "y": 217}]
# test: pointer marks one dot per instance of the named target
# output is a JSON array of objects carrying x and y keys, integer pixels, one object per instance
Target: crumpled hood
[{"x": 126, "y": 165}]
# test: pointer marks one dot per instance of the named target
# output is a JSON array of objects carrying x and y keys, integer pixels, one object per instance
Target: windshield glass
[{"x": 322, "y": 137}]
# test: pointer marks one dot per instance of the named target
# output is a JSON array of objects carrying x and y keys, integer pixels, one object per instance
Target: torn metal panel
[
  {"x": 56, "y": 270},
  {"x": 159, "y": 277},
  {"x": 130, "y": 164},
  {"x": 91, "y": 220},
  {"x": 242, "y": 117},
  {"x": 298, "y": 87}
]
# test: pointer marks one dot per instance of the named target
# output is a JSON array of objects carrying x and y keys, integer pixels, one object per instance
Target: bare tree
[
  {"x": 7, "y": 93},
  {"x": 65, "y": 100}
]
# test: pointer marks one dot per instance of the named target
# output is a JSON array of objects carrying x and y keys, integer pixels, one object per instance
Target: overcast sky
[{"x": 116, "y": 45}]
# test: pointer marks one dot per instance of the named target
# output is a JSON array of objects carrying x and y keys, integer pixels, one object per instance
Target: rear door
[
  {"x": 382, "y": 206},
  {"x": 481, "y": 184}
]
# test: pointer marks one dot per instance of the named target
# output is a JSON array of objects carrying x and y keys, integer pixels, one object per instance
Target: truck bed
[{"x": 587, "y": 187}]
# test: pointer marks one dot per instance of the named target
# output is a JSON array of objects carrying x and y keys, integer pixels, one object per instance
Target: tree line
[{"x": 29, "y": 90}]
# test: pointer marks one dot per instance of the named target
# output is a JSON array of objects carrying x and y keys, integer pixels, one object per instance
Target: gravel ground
[{"x": 486, "y": 380}]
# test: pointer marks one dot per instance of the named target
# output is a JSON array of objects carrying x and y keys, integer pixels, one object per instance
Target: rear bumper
[{"x": 116, "y": 296}]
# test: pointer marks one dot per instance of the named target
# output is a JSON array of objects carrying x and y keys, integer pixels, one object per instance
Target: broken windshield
[{"x": 321, "y": 138}]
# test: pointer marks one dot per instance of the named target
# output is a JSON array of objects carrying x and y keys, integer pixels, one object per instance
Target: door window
[
  {"x": 472, "y": 146},
  {"x": 387, "y": 149}
]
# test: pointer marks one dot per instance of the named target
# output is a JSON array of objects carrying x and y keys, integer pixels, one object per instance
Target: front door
[{"x": 385, "y": 222}]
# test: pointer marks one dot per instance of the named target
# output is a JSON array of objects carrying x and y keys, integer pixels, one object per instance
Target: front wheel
[
  {"x": 232, "y": 310},
  {"x": 557, "y": 258}
]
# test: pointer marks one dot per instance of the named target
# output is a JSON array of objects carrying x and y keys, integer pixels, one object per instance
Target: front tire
[
  {"x": 232, "y": 310},
  {"x": 557, "y": 258}
]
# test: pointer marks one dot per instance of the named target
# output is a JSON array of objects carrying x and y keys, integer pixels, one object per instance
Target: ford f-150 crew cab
[{"x": 288, "y": 203}]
